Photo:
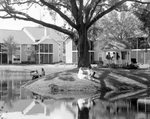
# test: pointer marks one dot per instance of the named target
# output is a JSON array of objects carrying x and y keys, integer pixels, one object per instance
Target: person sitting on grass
[
  {"x": 91, "y": 72},
  {"x": 86, "y": 73},
  {"x": 81, "y": 74},
  {"x": 43, "y": 72},
  {"x": 35, "y": 75}
]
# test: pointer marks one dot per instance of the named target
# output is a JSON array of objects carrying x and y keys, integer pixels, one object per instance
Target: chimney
[{"x": 46, "y": 31}]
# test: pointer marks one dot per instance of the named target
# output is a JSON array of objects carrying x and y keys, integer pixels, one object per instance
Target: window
[
  {"x": 16, "y": 58},
  {"x": 41, "y": 58},
  {"x": 74, "y": 47},
  {"x": 17, "y": 48},
  {"x": 41, "y": 47},
  {"x": 50, "y": 58},
  {"x": 37, "y": 48},
  {"x": 50, "y": 48},
  {"x": 3, "y": 48},
  {"x": 46, "y": 47}
]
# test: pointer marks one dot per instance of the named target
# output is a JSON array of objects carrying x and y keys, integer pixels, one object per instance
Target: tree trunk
[{"x": 83, "y": 49}]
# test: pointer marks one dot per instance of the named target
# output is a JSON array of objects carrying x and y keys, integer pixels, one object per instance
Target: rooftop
[
  {"x": 39, "y": 32},
  {"x": 19, "y": 36}
]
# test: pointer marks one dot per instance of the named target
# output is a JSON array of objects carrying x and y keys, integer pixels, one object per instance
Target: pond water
[{"x": 20, "y": 103}]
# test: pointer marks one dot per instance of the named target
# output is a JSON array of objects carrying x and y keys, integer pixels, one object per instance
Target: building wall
[
  {"x": 72, "y": 53},
  {"x": 98, "y": 53},
  {"x": 23, "y": 53},
  {"x": 16, "y": 58},
  {"x": 143, "y": 56},
  {"x": 147, "y": 57},
  {"x": 68, "y": 48},
  {"x": 55, "y": 48},
  {"x": 61, "y": 51}
]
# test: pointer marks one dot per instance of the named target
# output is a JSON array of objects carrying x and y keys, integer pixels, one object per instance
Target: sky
[
  {"x": 19, "y": 24},
  {"x": 15, "y": 24}
]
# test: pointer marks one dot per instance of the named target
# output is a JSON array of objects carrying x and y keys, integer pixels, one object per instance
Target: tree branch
[
  {"x": 28, "y": 18},
  {"x": 59, "y": 12},
  {"x": 65, "y": 6},
  {"x": 81, "y": 10},
  {"x": 140, "y": 1},
  {"x": 93, "y": 9},
  {"x": 105, "y": 12},
  {"x": 74, "y": 9}
]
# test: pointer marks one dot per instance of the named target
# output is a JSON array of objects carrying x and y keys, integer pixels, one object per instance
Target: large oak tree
[
  {"x": 79, "y": 14},
  {"x": 120, "y": 27}
]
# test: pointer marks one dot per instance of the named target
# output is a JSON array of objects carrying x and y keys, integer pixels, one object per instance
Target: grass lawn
[
  {"x": 67, "y": 83},
  {"x": 111, "y": 78}
]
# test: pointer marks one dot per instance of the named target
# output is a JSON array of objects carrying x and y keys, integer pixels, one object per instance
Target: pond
[{"x": 20, "y": 103}]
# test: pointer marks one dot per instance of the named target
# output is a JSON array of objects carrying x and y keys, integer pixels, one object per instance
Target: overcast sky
[{"x": 37, "y": 13}]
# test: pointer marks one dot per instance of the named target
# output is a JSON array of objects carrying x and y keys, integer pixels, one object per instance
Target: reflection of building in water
[
  {"x": 118, "y": 107},
  {"x": 143, "y": 108},
  {"x": 53, "y": 109},
  {"x": 121, "y": 109},
  {"x": 12, "y": 88},
  {"x": 143, "y": 105}
]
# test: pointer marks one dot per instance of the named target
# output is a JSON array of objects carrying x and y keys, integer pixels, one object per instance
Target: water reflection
[{"x": 23, "y": 104}]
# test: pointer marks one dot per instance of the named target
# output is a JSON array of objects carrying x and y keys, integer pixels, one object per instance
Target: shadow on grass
[
  {"x": 135, "y": 75},
  {"x": 103, "y": 74}
]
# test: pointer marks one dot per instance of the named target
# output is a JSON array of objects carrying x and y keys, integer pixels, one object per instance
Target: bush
[
  {"x": 100, "y": 64},
  {"x": 130, "y": 66}
]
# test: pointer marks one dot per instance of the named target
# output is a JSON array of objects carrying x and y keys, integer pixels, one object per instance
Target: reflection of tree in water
[
  {"x": 112, "y": 104},
  {"x": 10, "y": 96}
]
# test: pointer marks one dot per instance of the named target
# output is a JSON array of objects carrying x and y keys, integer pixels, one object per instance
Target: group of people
[
  {"x": 86, "y": 73},
  {"x": 114, "y": 58},
  {"x": 35, "y": 74}
]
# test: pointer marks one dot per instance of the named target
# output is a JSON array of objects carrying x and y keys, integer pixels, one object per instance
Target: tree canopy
[
  {"x": 143, "y": 13},
  {"x": 120, "y": 27},
  {"x": 80, "y": 15}
]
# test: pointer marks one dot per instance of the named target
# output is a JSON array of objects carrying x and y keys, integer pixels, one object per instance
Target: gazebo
[
  {"x": 124, "y": 56},
  {"x": 118, "y": 53}
]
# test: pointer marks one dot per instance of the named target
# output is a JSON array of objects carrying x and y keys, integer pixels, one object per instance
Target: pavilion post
[{"x": 120, "y": 57}]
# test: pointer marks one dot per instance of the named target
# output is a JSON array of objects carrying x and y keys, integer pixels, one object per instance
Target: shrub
[{"x": 130, "y": 66}]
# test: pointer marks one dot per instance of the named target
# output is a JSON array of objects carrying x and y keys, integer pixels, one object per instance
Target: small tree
[
  {"x": 11, "y": 46},
  {"x": 31, "y": 52}
]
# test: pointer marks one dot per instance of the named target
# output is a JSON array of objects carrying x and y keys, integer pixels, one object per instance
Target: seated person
[
  {"x": 85, "y": 73},
  {"x": 35, "y": 75},
  {"x": 81, "y": 74},
  {"x": 91, "y": 73},
  {"x": 43, "y": 72}
]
